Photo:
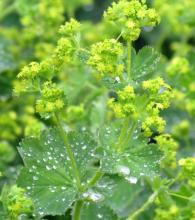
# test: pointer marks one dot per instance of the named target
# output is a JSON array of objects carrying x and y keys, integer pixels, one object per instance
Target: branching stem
[{"x": 129, "y": 44}]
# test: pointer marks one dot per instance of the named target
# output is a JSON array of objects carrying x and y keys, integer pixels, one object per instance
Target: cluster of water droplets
[
  {"x": 125, "y": 171},
  {"x": 93, "y": 196}
]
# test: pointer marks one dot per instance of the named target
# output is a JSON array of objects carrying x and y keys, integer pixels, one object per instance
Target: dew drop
[
  {"x": 84, "y": 147},
  {"x": 48, "y": 167},
  {"x": 131, "y": 179},
  {"x": 123, "y": 170},
  {"x": 100, "y": 216},
  {"x": 35, "y": 178}
]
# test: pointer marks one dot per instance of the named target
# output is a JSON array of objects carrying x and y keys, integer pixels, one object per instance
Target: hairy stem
[
  {"x": 129, "y": 44},
  {"x": 69, "y": 152},
  {"x": 144, "y": 207},
  {"x": 77, "y": 210}
]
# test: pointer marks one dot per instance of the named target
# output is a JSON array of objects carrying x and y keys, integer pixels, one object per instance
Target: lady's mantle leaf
[
  {"x": 120, "y": 196},
  {"x": 145, "y": 62},
  {"x": 137, "y": 159},
  {"x": 47, "y": 175},
  {"x": 97, "y": 212}
]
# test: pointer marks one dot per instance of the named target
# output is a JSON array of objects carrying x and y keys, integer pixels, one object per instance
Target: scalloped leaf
[
  {"x": 120, "y": 196},
  {"x": 138, "y": 158},
  {"x": 145, "y": 62},
  {"x": 97, "y": 212},
  {"x": 47, "y": 176}
]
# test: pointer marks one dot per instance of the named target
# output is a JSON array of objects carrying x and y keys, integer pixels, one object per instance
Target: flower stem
[
  {"x": 129, "y": 44},
  {"x": 69, "y": 152},
  {"x": 179, "y": 196},
  {"x": 144, "y": 207},
  {"x": 77, "y": 210}
]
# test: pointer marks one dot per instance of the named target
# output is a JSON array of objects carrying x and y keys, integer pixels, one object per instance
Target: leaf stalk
[
  {"x": 69, "y": 152},
  {"x": 77, "y": 210}
]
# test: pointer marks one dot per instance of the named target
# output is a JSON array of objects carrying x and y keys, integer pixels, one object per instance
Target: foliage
[{"x": 94, "y": 123}]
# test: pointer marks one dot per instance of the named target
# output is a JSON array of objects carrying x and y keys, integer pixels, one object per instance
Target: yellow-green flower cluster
[
  {"x": 159, "y": 92},
  {"x": 175, "y": 15},
  {"x": 32, "y": 126},
  {"x": 74, "y": 113},
  {"x": 9, "y": 126},
  {"x": 153, "y": 124},
  {"x": 188, "y": 170},
  {"x": 190, "y": 106},
  {"x": 181, "y": 130},
  {"x": 7, "y": 153},
  {"x": 131, "y": 16},
  {"x": 159, "y": 95},
  {"x": 17, "y": 203},
  {"x": 192, "y": 87},
  {"x": 70, "y": 28},
  {"x": 178, "y": 65},
  {"x": 52, "y": 100},
  {"x": 171, "y": 213},
  {"x": 64, "y": 52},
  {"x": 179, "y": 100},
  {"x": 28, "y": 78},
  {"x": 30, "y": 71},
  {"x": 40, "y": 17},
  {"x": 124, "y": 106},
  {"x": 106, "y": 58},
  {"x": 169, "y": 148}
]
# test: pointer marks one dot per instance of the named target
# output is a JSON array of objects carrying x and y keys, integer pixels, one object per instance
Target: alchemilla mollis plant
[{"x": 105, "y": 129}]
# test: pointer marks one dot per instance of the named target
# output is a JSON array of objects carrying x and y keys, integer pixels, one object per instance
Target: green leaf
[
  {"x": 6, "y": 61},
  {"x": 47, "y": 175},
  {"x": 145, "y": 62},
  {"x": 120, "y": 196},
  {"x": 97, "y": 212},
  {"x": 138, "y": 158},
  {"x": 113, "y": 84}
]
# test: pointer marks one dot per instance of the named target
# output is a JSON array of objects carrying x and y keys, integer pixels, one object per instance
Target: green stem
[
  {"x": 7, "y": 11},
  {"x": 69, "y": 152},
  {"x": 77, "y": 210},
  {"x": 130, "y": 132},
  {"x": 129, "y": 44},
  {"x": 95, "y": 179},
  {"x": 179, "y": 196},
  {"x": 177, "y": 178},
  {"x": 119, "y": 36},
  {"x": 123, "y": 133},
  {"x": 144, "y": 207}
]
